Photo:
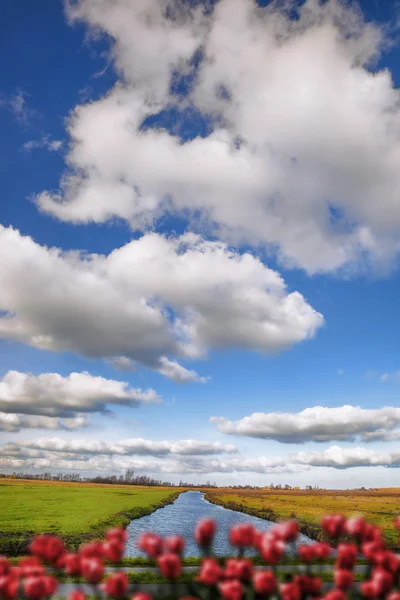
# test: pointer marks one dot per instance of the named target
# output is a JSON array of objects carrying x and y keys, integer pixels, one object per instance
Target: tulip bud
[
  {"x": 175, "y": 544},
  {"x": 116, "y": 585},
  {"x": 151, "y": 543},
  {"x": 333, "y": 525},
  {"x": 242, "y": 535},
  {"x": 204, "y": 532},
  {"x": 231, "y": 589},
  {"x": 344, "y": 579},
  {"x": 290, "y": 591},
  {"x": 72, "y": 564},
  {"x": 170, "y": 565},
  {"x": 264, "y": 582},
  {"x": 8, "y": 587},
  {"x": 76, "y": 595},
  {"x": 210, "y": 572},
  {"x": 141, "y": 596},
  {"x": 113, "y": 549},
  {"x": 92, "y": 570},
  {"x": 307, "y": 553},
  {"x": 355, "y": 526}
]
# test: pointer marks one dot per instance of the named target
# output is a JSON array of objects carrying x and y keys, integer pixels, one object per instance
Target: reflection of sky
[{"x": 180, "y": 518}]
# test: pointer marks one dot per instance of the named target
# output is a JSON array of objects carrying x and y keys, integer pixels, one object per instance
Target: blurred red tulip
[
  {"x": 231, "y": 589},
  {"x": 205, "y": 531},
  {"x": 116, "y": 585},
  {"x": 264, "y": 582},
  {"x": 242, "y": 535},
  {"x": 151, "y": 543},
  {"x": 170, "y": 565},
  {"x": 333, "y": 525},
  {"x": 92, "y": 569},
  {"x": 210, "y": 571},
  {"x": 175, "y": 544},
  {"x": 343, "y": 579}
]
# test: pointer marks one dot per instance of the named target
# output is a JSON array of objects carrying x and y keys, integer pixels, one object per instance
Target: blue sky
[{"x": 100, "y": 152}]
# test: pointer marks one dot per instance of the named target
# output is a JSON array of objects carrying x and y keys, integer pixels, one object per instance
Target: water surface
[{"x": 181, "y": 517}]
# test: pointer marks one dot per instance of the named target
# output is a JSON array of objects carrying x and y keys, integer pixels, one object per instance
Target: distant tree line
[{"x": 128, "y": 479}]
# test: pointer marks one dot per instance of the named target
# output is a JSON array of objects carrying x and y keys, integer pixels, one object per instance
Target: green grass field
[
  {"x": 75, "y": 512},
  {"x": 380, "y": 506}
]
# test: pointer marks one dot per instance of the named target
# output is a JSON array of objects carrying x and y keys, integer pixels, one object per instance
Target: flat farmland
[
  {"x": 74, "y": 511},
  {"x": 378, "y": 506}
]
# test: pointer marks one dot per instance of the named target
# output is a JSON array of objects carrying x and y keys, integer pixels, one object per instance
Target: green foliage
[{"x": 75, "y": 512}]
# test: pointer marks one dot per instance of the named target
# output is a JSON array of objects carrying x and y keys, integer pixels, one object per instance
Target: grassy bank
[
  {"x": 379, "y": 507},
  {"x": 76, "y": 512}
]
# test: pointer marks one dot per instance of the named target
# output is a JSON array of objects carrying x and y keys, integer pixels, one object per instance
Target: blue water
[{"x": 180, "y": 518}]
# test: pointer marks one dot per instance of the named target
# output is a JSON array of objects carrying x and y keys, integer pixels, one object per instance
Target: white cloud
[
  {"x": 179, "y": 457},
  {"x": 51, "y": 395},
  {"x": 44, "y": 142},
  {"x": 151, "y": 298},
  {"x": 316, "y": 173},
  {"x": 126, "y": 447},
  {"x": 176, "y": 372},
  {"x": 345, "y": 458},
  {"x": 15, "y": 422},
  {"x": 318, "y": 424}
]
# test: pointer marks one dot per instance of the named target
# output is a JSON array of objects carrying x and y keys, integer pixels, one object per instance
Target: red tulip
[
  {"x": 382, "y": 580},
  {"x": 322, "y": 550},
  {"x": 306, "y": 553},
  {"x": 113, "y": 549},
  {"x": 236, "y": 568},
  {"x": 170, "y": 565},
  {"x": 38, "y": 587},
  {"x": 72, "y": 564},
  {"x": 30, "y": 566},
  {"x": 47, "y": 547},
  {"x": 141, "y": 596},
  {"x": 118, "y": 533},
  {"x": 92, "y": 569},
  {"x": 335, "y": 595},
  {"x": 346, "y": 556},
  {"x": 368, "y": 589},
  {"x": 355, "y": 526},
  {"x": 271, "y": 552},
  {"x": 290, "y": 591},
  {"x": 344, "y": 579},
  {"x": 76, "y": 595},
  {"x": 231, "y": 589},
  {"x": 116, "y": 585},
  {"x": 333, "y": 525},
  {"x": 313, "y": 586},
  {"x": 387, "y": 560},
  {"x": 92, "y": 550},
  {"x": 205, "y": 531},
  {"x": 210, "y": 572},
  {"x": 308, "y": 584},
  {"x": 242, "y": 535},
  {"x": 8, "y": 587},
  {"x": 288, "y": 531},
  {"x": 370, "y": 549},
  {"x": 264, "y": 582},
  {"x": 5, "y": 566},
  {"x": 393, "y": 596},
  {"x": 175, "y": 544},
  {"x": 151, "y": 543}
]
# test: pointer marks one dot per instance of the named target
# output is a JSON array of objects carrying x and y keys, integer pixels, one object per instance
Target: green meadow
[{"x": 76, "y": 512}]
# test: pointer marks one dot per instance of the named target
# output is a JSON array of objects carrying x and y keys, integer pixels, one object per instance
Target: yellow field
[{"x": 378, "y": 506}]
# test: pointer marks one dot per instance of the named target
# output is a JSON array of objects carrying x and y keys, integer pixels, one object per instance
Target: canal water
[{"x": 180, "y": 518}]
